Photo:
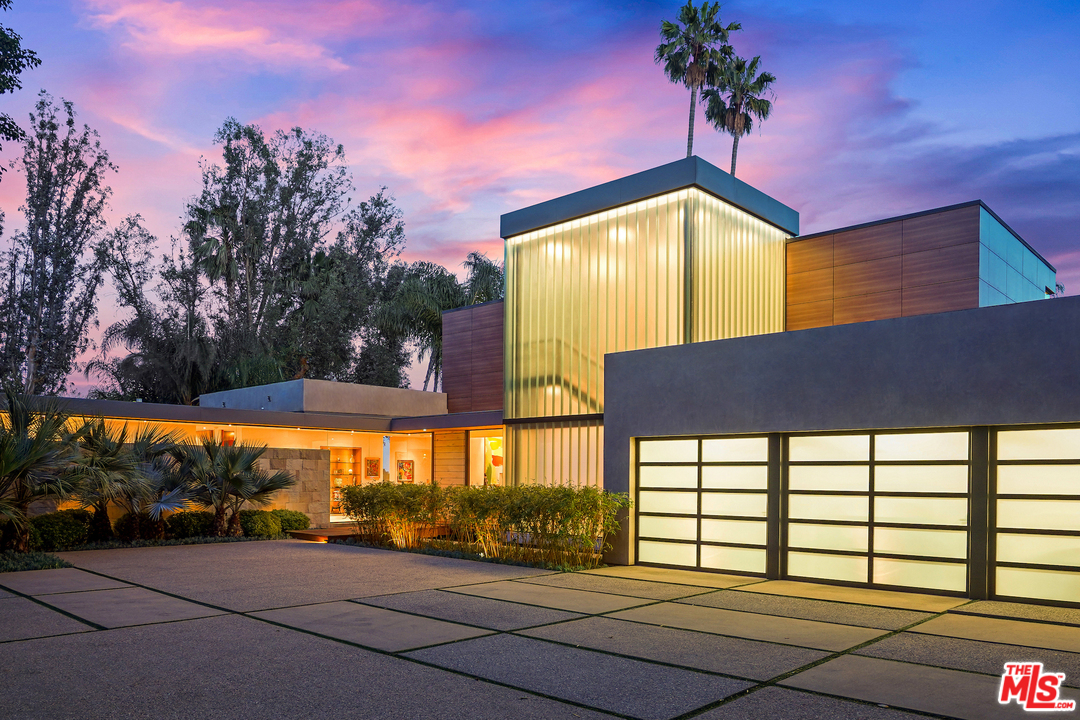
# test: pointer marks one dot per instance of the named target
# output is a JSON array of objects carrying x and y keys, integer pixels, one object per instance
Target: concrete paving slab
[
  {"x": 470, "y": 610},
  {"x": 4, "y": 594},
  {"x": 1011, "y": 632},
  {"x": 580, "y": 601},
  {"x": 972, "y": 655},
  {"x": 128, "y": 606},
  {"x": 858, "y": 596},
  {"x": 783, "y": 704},
  {"x": 676, "y": 577},
  {"x": 236, "y": 575},
  {"x": 21, "y": 619},
  {"x": 714, "y": 653},
  {"x": 843, "y": 613},
  {"x": 238, "y": 668},
  {"x": 619, "y": 586},
  {"x": 912, "y": 687},
  {"x": 1021, "y": 611},
  {"x": 631, "y": 687},
  {"x": 791, "y": 631},
  {"x": 370, "y": 626},
  {"x": 58, "y": 580}
]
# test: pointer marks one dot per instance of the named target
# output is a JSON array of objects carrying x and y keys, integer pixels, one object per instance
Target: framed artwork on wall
[
  {"x": 405, "y": 470},
  {"x": 372, "y": 467}
]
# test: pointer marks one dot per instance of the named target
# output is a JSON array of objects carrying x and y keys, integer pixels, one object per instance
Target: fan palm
[
  {"x": 164, "y": 490},
  {"x": 737, "y": 99},
  {"x": 36, "y": 451},
  {"x": 694, "y": 49},
  {"x": 105, "y": 472}
]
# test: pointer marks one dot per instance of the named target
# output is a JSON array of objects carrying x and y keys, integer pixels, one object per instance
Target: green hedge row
[
  {"x": 68, "y": 529},
  {"x": 550, "y": 525}
]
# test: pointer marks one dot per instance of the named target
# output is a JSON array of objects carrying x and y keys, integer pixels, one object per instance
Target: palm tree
[
  {"x": 224, "y": 477},
  {"x": 736, "y": 100},
  {"x": 105, "y": 471},
  {"x": 165, "y": 489},
  {"x": 428, "y": 291},
  {"x": 36, "y": 451},
  {"x": 693, "y": 51}
]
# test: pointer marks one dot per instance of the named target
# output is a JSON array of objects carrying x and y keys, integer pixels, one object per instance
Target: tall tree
[
  {"x": 737, "y": 100},
  {"x": 14, "y": 60},
  {"x": 693, "y": 50},
  {"x": 54, "y": 269}
]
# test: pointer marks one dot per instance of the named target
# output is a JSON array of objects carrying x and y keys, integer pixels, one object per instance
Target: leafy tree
[
  {"x": 36, "y": 451},
  {"x": 54, "y": 269},
  {"x": 14, "y": 60},
  {"x": 737, "y": 99},
  {"x": 383, "y": 354},
  {"x": 693, "y": 51},
  {"x": 426, "y": 292}
]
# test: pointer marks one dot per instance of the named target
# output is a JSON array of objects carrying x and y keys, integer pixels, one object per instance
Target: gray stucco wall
[{"x": 1010, "y": 364}]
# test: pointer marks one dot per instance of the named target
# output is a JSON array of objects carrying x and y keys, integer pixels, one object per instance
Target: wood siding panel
[
  {"x": 811, "y": 286},
  {"x": 473, "y": 358},
  {"x": 944, "y": 264},
  {"x": 943, "y": 297},
  {"x": 450, "y": 457},
  {"x": 863, "y": 308},
  {"x": 954, "y": 227},
  {"x": 865, "y": 278},
  {"x": 871, "y": 243},
  {"x": 809, "y": 315},
  {"x": 805, "y": 255}
]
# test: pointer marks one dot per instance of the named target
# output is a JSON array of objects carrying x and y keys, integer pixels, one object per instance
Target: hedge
[
  {"x": 59, "y": 530},
  {"x": 259, "y": 523},
  {"x": 546, "y": 525},
  {"x": 291, "y": 520}
]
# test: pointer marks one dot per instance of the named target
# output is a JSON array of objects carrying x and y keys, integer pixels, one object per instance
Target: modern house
[{"x": 877, "y": 405}]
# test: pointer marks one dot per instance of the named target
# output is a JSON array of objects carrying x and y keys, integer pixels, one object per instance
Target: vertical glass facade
[
  {"x": 1009, "y": 271},
  {"x": 680, "y": 267}
]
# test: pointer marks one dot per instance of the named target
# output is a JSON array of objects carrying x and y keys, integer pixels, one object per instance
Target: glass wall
[
  {"x": 1008, "y": 270},
  {"x": 555, "y": 453},
  {"x": 1038, "y": 514},
  {"x": 486, "y": 453}
]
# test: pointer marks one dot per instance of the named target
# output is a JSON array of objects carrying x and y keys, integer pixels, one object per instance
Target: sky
[{"x": 468, "y": 110}]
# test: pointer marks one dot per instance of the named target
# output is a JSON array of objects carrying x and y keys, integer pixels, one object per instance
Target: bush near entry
[
  {"x": 259, "y": 523},
  {"x": 553, "y": 526},
  {"x": 59, "y": 530},
  {"x": 291, "y": 520},
  {"x": 190, "y": 523}
]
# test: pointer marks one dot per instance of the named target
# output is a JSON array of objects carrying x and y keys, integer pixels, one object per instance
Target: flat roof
[
  {"x": 688, "y": 172},
  {"x": 946, "y": 208}
]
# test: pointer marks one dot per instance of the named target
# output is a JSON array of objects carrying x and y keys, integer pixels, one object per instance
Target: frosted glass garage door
[
  {"x": 1037, "y": 505},
  {"x": 701, "y": 503},
  {"x": 879, "y": 508}
]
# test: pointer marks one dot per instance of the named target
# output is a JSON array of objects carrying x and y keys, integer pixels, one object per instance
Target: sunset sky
[{"x": 467, "y": 110}]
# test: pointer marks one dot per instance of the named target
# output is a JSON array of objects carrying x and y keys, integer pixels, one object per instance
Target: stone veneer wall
[{"x": 311, "y": 494}]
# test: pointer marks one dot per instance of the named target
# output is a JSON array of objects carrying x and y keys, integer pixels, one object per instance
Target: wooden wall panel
[
  {"x": 953, "y": 227},
  {"x": 809, "y": 315},
  {"x": 473, "y": 358},
  {"x": 865, "y": 278},
  {"x": 863, "y": 308},
  {"x": 870, "y": 243},
  {"x": 911, "y": 266},
  {"x": 450, "y": 456},
  {"x": 944, "y": 264},
  {"x": 813, "y": 254},
  {"x": 943, "y": 297}
]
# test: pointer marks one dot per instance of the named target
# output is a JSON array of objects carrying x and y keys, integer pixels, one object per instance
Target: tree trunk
[
  {"x": 430, "y": 369},
  {"x": 14, "y": 538},
  {"x": 31, "y": 365},
  {"x": 101, "y": 529},
  {"x": 234, "y": 524},
  {"x": 220, "y": 522},
  {"x": 693, "y": 108},
  {"x": 734, "y": 153}
]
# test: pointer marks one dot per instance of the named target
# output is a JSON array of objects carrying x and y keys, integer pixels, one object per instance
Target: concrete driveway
[{"x": 288, "y": 629}]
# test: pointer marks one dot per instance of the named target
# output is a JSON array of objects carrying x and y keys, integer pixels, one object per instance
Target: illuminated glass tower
[{"x": 680, "y": 253}]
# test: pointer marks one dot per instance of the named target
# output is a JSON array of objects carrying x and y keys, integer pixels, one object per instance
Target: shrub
[
  {"x": 291, "y": 520},
  {"x": 59, "y": 530},
  {"x": 190, "y": 523},
  {"x": 403, "y": 513},
  {"x": 11, "y": 561},
  {"x": 259, "y": 523}
]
